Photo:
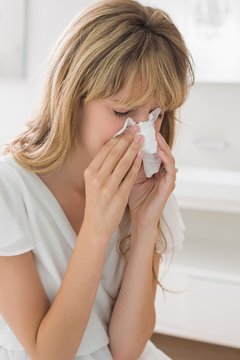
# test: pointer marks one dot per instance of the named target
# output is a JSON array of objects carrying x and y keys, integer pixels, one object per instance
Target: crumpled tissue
[{"x": 151, "y": 163}]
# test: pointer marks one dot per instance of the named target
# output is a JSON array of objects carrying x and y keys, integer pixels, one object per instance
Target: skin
[
  {"x": 97, "y": 125},
  {"x": 146, "y": 199}
]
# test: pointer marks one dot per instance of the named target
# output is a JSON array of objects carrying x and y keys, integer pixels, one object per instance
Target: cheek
[
  {"x": 99, "y": 128},
  {"x": 113, "y": 131},
  {"x": 112, "y": 128},
  {"x": 102, "y": 134}
]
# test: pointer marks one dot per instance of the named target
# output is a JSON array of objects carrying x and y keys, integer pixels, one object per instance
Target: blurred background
[{"x": 204, "y": 314}]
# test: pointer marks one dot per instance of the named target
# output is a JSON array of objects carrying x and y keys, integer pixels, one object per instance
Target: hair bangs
[{"x": 141, "y": 81}]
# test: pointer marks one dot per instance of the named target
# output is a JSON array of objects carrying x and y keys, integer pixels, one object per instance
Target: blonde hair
[{"x": 103, "y": 50}]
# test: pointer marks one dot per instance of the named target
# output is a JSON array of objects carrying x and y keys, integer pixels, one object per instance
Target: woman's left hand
[{"x": 149, "y": 195}]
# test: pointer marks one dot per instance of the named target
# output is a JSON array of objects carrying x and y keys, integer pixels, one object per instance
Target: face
[{"x": 100, "y": 119}]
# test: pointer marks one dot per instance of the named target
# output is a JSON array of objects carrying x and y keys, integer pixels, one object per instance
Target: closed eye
[{"x": 119, "y": 114}]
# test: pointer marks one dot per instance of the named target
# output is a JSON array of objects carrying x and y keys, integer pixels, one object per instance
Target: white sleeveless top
[{"x": 31, "y": 218}]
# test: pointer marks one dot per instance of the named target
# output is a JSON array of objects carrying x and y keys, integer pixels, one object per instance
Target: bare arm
[
  {"x": 52, "y": 331},
  {"x": 134, "y": 308},
  {"x": 55, "y": 332}
]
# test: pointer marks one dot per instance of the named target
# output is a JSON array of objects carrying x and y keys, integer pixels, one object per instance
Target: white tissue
[{"x": 151, "y": 163}]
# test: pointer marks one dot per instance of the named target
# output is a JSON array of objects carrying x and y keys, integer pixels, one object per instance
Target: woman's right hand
[{"x": 108, "y": 181}]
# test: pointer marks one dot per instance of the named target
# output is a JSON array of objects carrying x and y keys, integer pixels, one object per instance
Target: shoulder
[
  {"x": 11, "y": 182},
  {"x": 11, "y": 173},
  {"x": 15, "y": 232},
  {"x": 8, "y": 166}
]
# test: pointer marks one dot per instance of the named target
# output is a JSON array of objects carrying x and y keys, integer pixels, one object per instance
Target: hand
[
  {"x": 108, "y": 182},
  {"x": 149, "y": 195}
]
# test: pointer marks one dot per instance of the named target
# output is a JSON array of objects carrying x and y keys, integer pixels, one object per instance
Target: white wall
[
  {"x": 211, "y": 112},
  {"x": 18, "y": 98}
]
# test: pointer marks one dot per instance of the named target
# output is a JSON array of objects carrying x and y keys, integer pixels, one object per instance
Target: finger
[
  {"x": 115, "y": 155},
  {"x": 130, "y": 178},
  {"x": 101, "y": 156},
  {"x": 167, "y": 163},
  {"x": 162, "y": 143},
  {"x": 124, "y": 165}
]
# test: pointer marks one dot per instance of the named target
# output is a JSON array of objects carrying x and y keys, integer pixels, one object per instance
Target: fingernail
[
  {"x": 133, "y": 129},
  {"x": 139, "y": 139}
]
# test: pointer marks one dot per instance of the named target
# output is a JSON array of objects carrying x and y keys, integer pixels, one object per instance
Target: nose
[{"x": 142, "y": 115}]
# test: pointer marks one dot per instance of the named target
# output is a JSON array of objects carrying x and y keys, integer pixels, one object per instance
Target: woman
[{"x": 81, "y": 224}]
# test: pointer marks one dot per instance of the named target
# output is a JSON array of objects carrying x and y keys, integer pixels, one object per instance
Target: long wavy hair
[{"x": 103, "y": 50}]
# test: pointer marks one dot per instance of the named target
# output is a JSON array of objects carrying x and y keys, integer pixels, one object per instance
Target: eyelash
[{"x": 118, "y": 114}]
